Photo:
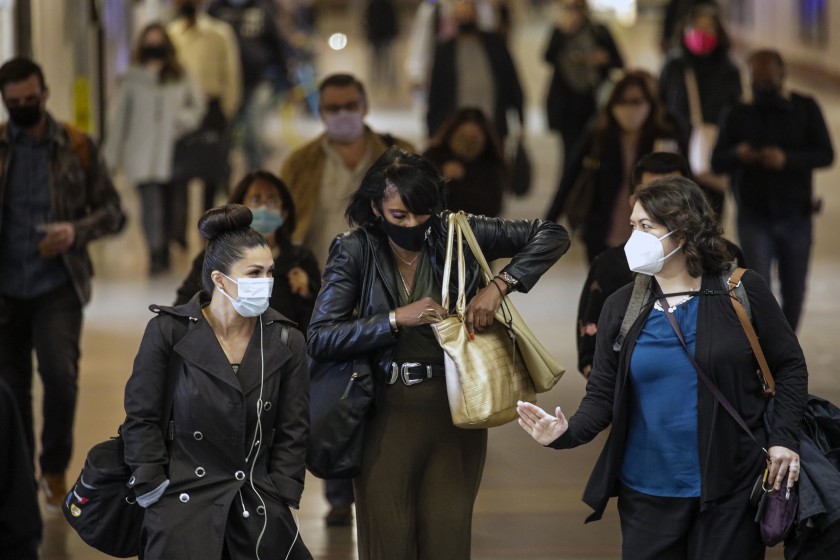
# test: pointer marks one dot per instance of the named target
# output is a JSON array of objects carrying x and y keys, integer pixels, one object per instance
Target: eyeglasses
[
  {"x": 633, "y": 102},
  {"x": 272, "y": 203},
  {"x": 352, "y": 106}
]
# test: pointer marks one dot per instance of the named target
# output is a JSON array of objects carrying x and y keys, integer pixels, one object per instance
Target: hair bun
[{"x": 229, "y": 217}]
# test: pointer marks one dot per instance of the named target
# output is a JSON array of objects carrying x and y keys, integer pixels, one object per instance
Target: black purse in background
[
  {"x": 340, "y": 398},
  {"x": 521, "y": 175}
]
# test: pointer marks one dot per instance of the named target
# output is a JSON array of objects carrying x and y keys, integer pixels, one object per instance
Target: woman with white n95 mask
[
  {"x": 679, "y": 463},
  {"x": 219, "y": 484}
]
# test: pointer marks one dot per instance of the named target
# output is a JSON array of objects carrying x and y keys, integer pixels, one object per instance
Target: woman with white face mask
[
  {"x": 220, "y": 483},
  {"x": 682, "y": 468},
  {"x": 631, "y": 124}
]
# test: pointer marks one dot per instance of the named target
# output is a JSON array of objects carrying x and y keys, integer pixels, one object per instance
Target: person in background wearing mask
[
  {"x": 632, "y": 123},
  {"x": 468, "y": 154},
  {"x": 156, "y": 103},
  {"x": 682, "y": 469},
  {"x": 264, "y": 54},
  {"x": 223, "y": 484},
  {"x": 321, "y": 176},
  {"x": 323, "y": 173},
  {"x": 770, "y": 148},
  {"x": 473, "y": 69},
  {"x": 297, "y": 278},
  {"x": 56, "y": 197},
  {"x": 433, "y": 24},
  {"x": 703, "y": 53},
  {"x": 208, "y": 50},
  {"x": 582, "y": 53},
  {"x": 420, "y": 474}
]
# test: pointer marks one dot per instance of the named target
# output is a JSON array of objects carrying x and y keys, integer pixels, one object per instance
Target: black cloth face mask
[
  {"x": 156, "y": 52},
  {"x": 409, "y": 238},
  {"x": 25, "y": 116}
]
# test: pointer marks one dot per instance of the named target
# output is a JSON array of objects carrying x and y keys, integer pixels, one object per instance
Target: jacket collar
[{"x": 200, "y": 348}]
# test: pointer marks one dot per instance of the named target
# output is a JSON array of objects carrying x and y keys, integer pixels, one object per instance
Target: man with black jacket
[{"x": 770, "y": 147}]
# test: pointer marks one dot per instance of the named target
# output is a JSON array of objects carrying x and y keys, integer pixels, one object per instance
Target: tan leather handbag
[
  {"x": 485, "y": 377},
  {"x": 545, "y": 371}
]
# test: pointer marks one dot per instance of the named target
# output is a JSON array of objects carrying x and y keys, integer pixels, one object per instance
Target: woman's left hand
[
  {"x": 781, "y": 461},
  {"x": 481, "y": 311}
]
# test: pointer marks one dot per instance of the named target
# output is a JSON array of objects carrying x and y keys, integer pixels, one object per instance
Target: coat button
[
  {"x": 131, "y": 481},
  {"x": 239, "y": 475},
  {"x": 184, "y": 498},
  {"x": 198, "y": 436},
  {"x": 267, "y": 405},
  {"x": 199, "y": 472},
  {"x": 260, "y": 510}
]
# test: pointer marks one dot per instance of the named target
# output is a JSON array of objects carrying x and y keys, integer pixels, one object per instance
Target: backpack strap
[
  {"x": 78, "y": 145},
  {"x": 641, "y": 284},
  {"x": 734, "y": 282}
]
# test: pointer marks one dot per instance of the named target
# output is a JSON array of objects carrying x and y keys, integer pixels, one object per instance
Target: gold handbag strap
[
  {"x": 454, "y": 230},
  {"x": 464, "y": 227},
  {"x": 769, "y": 383}
]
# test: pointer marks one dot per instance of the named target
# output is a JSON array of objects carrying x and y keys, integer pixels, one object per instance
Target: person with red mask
[{"x": 704, "y": 56}]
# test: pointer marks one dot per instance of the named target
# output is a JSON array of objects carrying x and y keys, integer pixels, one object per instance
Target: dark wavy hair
[
  {"x": 228, "y": 232},
  {"x": 416, "y": 179},
  {"x": 655, "y": 126},
  {"x": 237, "y": 196},
  {"x": 681, "y": 206}
]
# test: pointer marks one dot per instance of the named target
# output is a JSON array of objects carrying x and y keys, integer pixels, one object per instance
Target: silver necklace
[{"x": 407, "y": 263}]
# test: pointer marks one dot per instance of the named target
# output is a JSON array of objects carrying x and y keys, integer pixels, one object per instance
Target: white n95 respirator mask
[{"x": 645, "y": 253}]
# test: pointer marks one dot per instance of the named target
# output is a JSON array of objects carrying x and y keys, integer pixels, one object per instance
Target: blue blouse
[{"x": 661, "y": 456}]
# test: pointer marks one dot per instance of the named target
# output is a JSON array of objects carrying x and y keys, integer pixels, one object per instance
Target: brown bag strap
[{"x": 769, "y": 383}]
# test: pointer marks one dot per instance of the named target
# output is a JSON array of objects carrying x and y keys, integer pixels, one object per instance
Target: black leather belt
[{"x": 413, "y": 373}]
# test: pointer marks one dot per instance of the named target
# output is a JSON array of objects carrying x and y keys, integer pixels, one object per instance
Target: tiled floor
[{"x": 529, "y": 504}]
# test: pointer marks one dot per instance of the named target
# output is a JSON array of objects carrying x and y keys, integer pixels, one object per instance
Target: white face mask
[
  {"x": 252, "y": 299},
  {"x": 645, "y": 253}
]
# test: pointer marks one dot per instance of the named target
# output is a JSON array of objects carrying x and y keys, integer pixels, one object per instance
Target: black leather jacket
[{"x": 359, "y": 288}]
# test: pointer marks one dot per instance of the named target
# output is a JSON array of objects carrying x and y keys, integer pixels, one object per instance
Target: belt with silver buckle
[{"x": 413, "y": 373}]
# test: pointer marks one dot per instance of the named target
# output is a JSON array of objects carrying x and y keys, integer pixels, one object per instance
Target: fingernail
[{"x": 472, "y": 336}]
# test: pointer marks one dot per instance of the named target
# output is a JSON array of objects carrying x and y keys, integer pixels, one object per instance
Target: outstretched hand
[{"x": 542, "y": 426}]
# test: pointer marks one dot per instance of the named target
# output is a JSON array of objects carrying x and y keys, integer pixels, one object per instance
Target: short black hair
[
  {"x": 19, "y": 69},
  {"x": 418, "y": 182},
  {"x": 342, "y": 80},
  {"x": 660, "y": 163}
]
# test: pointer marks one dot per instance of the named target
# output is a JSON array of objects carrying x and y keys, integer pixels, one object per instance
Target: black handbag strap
[{"x": 701, "y": 374}]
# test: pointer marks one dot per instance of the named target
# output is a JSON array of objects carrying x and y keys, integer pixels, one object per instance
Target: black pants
[
  {"x": 50, "y": 325},
  {"x": 655, "y": 528}
]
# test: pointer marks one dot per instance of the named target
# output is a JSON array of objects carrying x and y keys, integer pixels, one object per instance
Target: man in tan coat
[{"x": 323, "y": 173}]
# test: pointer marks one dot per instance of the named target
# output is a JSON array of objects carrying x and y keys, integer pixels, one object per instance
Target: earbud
[{"x": 245, "y": 514}]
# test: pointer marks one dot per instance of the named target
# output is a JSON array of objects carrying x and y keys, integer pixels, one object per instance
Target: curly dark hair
[
  {"x": 421, "y": 187},
  {"x": 681, "y": 206}
]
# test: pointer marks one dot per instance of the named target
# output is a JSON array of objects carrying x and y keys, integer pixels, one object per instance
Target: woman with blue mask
[
  {"x": 220, "y": 482},
  {"x": 297, "y": 277},
  {"x": 681, "y": 466}
]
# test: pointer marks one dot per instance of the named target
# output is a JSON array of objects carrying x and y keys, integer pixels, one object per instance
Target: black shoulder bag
[{"x": 101, "y": 507}]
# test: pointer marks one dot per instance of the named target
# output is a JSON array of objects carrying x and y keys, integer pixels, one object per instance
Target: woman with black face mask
[
  {"x": 381, "y": 292},
  {"x": 156, "y": 103}
]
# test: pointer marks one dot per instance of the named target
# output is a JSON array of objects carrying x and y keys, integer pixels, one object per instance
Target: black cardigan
[{"x": 729, "y": 459}]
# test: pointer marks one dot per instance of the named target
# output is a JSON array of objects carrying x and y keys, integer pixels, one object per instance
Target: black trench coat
[{"x": 215, "y": 426}]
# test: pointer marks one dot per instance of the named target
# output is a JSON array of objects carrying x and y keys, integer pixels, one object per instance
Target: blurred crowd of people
[{"x": 207, "y": 80}]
